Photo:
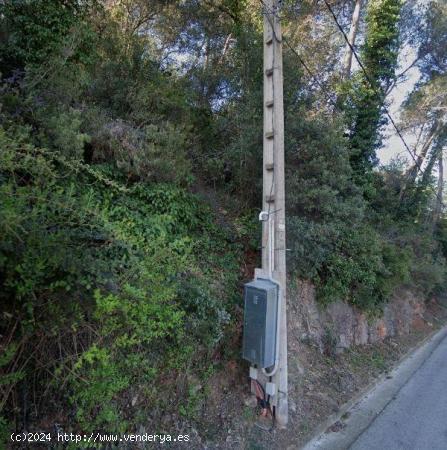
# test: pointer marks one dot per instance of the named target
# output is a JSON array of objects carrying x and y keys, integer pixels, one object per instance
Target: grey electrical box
[{"x": 260, "y": 313}]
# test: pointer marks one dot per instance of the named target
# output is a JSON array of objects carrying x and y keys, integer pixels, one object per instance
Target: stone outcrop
[{"x": 339, "y": 325}]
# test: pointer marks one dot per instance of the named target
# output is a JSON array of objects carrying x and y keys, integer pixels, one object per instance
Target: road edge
[{"x": 391, "y": 382}]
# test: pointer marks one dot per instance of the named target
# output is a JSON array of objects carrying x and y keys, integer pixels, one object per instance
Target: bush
[
  {"x": 152, "y": 153},
  {"x": 123, "y": 279}
]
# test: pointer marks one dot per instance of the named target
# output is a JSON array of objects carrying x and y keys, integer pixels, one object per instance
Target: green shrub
[
  {"x": 153, "y": 153},
  {"x": 130, "y": 274}
]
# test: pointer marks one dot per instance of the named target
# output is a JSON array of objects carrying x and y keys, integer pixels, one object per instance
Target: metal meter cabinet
[{"x": 260, "y": 320}]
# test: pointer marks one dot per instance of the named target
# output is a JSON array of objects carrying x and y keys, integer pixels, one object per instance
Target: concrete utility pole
[{"x": 274, "y": 228}]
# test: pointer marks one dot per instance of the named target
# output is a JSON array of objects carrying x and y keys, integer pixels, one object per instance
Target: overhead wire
[
  {"x": 297, "y": 55},
  {"x": 381, "y": 95}
]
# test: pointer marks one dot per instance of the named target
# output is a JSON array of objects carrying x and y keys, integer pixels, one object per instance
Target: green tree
[{"x": 367, "y": 92}]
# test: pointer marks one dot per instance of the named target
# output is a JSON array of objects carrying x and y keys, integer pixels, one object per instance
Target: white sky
[{"x": 392, "y": 144}]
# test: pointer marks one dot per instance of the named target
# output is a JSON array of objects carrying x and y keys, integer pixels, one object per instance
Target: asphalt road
[{"x": 416, "y": 419}]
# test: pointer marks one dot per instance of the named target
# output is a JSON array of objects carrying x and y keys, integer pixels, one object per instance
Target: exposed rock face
[
  {"x": 340, "y": 321},
  {"x": 361, "y": 332},
  {"x": 341, "y": 325}
]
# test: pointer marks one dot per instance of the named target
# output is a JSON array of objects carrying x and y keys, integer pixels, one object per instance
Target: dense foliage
[
  {"x": 115, "y": 279},
  {"x": 130, "y": 181},
  {"x": 370, "y": 85}
]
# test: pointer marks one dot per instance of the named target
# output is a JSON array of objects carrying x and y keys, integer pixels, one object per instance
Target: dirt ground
[{"x": 318, "y": 386}]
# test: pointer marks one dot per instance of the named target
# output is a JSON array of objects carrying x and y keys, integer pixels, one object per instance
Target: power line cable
[
  {"x": 298, "y": 56},
  {"x": 381, "y": 95},
  {"x": 272, "y": 11}
]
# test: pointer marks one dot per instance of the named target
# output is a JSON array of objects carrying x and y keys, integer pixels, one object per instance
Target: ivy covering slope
[
  {"x": 109, "y": 288},
  {"x": 117, "y": 282}
]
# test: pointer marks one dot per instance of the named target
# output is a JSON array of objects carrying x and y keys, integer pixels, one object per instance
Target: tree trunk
[
  {"x": 438, "y": 200},
  {"x": 351, "y": 38},
  {"x": 412, "y": 172}
]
